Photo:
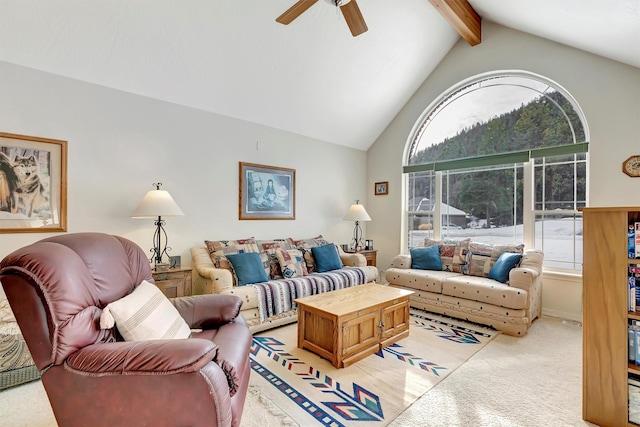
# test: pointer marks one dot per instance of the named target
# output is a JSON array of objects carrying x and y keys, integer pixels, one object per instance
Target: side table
[
  {"x": 369, "y": 254},
  {"x": 174, "y": 282}
]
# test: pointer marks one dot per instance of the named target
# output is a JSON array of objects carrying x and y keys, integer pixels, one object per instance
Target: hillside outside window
[{"x": 502, "y": 159}]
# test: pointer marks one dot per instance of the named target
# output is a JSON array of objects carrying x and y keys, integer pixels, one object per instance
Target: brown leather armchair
[{"x": 57, "y": 288}]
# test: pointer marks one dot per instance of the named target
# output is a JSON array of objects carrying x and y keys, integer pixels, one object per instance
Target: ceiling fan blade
[
  {"x": 352, "y": 15},
  {"x": 294, "y": 11}
]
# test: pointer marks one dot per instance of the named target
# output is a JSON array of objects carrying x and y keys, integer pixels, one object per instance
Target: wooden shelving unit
[{"x": 605, "y": 317}]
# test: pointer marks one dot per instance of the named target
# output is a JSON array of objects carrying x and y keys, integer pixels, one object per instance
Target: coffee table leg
[{"x": 301, "y": 317}]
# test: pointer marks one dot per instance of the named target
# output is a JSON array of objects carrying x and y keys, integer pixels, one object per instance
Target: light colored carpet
[
  {"x": 516, "y": 382},
  {"x": 531, "y": 381},
  {"x": 373, "y": 391}
]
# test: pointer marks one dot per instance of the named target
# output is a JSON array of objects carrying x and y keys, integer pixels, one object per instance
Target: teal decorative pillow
[
  {"x": 248, "y": 268},
  {"x": 426, "y": 258},
  {"x": 326, "y": 258},
  {"x": 500, "y": 270},
  {"x": 305, "y": 245}
]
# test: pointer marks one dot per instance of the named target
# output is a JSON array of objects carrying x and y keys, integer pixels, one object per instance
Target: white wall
[
  {"x": 119, "y": 144},
  {"x": 607, "y": 91}
]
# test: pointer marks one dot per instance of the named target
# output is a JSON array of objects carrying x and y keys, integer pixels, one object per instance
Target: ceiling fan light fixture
[{"x": 349, "y": 8}]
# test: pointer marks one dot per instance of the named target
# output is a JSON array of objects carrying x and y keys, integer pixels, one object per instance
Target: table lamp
[
  {"x": 357, "y": 213},
  {"x": 158, "y": 203}
]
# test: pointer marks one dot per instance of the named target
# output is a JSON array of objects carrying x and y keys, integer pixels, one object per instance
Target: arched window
[{"x": 500, "y": 158}]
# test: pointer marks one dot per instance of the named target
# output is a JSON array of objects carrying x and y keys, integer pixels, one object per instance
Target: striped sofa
[{"x": 270, "y": 304}]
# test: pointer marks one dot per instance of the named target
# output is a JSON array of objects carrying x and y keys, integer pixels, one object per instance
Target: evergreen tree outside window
[{"x": 501, "y": 158}]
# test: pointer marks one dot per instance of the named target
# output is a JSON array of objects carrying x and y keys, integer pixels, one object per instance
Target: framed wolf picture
[
  {"x": 267, "y": 192},
  {"x": 33, "y": 184}
]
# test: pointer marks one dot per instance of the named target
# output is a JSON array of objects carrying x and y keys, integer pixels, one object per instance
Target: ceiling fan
[{"x": 349, "y": 9}]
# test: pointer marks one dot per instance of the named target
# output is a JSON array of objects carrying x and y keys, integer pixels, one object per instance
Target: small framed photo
[{"x": 381, "y": 188}]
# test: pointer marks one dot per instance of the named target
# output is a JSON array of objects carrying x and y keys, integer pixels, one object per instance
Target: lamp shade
[
  {"x": 357, "y": 212},
  {"x": 157, "y": 203}
]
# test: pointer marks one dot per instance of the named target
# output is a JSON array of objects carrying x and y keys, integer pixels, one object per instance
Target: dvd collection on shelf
[
  {"x": 633, "y": 281},
  {"x": 634, "y": 399},
  {"x": 633, "y": 276},
  {"x": 633, "y": 235}
]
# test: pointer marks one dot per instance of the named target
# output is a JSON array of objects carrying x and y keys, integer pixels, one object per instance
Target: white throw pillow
[{"x": 145, "y": 314}]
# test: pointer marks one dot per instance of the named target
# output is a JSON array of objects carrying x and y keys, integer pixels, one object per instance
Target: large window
[{"x": 500, "y": 159}]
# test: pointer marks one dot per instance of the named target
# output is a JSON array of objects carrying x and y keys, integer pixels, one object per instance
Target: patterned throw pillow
[
  {"x": 267, "y": 249},
  {"x": 291, "y": 263},
  {"x": 145, "y": 314},
  {"x": 482, "y": 256},
  {"x": 218, "y": 249},
  {"x": 453, "y": 253},
  {"x": 305, "y": 246}
]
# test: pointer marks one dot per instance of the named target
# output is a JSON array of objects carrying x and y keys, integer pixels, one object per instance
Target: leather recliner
[{"x": 57, "y": 289}]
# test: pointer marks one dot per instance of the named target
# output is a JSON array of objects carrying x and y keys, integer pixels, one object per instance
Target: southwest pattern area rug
[{"x": 371, "y": 392}]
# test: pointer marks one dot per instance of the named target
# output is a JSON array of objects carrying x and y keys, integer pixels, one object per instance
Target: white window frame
[{"x": 529, "y": 208}]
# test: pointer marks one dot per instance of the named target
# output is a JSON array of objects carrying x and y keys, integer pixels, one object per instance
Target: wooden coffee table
[{"x": 349, "y": 324}]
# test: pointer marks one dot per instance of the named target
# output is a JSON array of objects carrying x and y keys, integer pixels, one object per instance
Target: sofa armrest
[
  {"x": 207, "y": 311},
  {"x": 532, "y": 258},
  {"x": 529, "y": 271},
  {"x": 232, "y": 357},
  {"x": 401, "y": 261},
  {"x": 523, "y": 278},
  {"x": 353, "y": 260},
  {"x": 143, "y": 357},
  {"x": 206, "y": 278},
  {"x": 184, "y": 368}
]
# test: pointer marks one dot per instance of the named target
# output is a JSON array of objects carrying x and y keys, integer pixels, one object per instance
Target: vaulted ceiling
[{"x": 310, "y": 77}]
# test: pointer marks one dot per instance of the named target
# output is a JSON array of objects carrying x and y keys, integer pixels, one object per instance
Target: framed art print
[
  {"x": 267, "y": 192},
  {"x": 33, "y": 184},
  {"x": 381, "y": 188}
]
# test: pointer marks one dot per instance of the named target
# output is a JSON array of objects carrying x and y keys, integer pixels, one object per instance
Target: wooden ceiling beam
[{"x": 462, "y": 17}]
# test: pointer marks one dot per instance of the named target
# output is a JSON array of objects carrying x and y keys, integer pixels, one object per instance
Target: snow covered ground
[{"x": 561, "y": 235}]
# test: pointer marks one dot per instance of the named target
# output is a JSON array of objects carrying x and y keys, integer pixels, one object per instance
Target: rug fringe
[{"x": 273, "y": 409}]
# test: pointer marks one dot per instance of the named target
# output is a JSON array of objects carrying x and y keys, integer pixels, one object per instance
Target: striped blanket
[{"x": 276, "y": 296}]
